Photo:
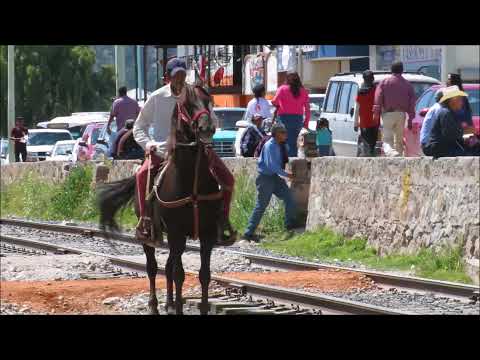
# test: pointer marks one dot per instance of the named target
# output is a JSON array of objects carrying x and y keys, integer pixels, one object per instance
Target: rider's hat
[{"x": 175, "y": 65}]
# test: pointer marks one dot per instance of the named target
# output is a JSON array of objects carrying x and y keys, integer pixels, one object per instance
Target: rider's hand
[
  {"x": 290, "y": 175},
  {"x": 109, "y": 131},
  {"x": 355, "y": 128},
  {"x": 151, "y": 148}
]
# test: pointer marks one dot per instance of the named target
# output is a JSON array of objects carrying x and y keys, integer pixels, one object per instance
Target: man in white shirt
[{"x": 157, "y": 113}]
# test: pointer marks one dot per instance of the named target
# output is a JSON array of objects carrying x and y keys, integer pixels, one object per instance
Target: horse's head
[{"x": 195, "y": 120}]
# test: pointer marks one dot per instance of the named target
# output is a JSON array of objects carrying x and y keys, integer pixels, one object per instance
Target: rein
[{"x": 194, "y": 198}]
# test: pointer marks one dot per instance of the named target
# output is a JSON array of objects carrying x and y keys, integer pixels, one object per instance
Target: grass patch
[
  {"x": 244, "y": 202},
  {"x": 445, "y": 264},
  {"x": 74, "y": 199}
]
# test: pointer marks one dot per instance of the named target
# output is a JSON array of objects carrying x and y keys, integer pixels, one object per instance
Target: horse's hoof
[
  {"x": 154, "y": 311},
  {"x": 170, "y": 309}
]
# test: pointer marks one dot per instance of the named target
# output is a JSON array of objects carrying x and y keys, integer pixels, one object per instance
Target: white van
[
  {"x": 75, "y": 123},
  {"x": 340, "y": 105}
]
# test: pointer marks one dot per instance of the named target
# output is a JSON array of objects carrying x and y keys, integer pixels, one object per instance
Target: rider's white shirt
[{"x": 157, "y": 113}]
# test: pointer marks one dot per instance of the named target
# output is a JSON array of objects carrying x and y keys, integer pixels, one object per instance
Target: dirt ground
[
  {"x": 322, "y": 280},
  {"x": 76, "y": 296},
  {"x": 86, "y": 296}
]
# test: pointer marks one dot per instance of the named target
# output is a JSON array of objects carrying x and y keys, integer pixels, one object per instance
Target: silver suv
[{"x": 340, "y": 105}]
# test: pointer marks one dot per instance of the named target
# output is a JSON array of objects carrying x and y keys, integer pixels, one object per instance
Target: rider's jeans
[
  {"x": 267, "y": 185},
  {"x": 142, "y": 176},
  {"x": 218, "y": 169}
]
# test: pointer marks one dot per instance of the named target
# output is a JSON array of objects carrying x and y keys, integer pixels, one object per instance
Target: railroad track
[
  {"x": 442, "y": 288},
  {"x": 281, "y": 296}
]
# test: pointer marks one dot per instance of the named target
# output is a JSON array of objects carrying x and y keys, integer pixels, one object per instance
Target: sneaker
[{"x": 254, "y": 238}]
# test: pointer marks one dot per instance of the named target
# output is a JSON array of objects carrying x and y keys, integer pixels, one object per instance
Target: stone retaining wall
[
  {"x": 49, "y": 170},
  {"x": 399, "y": 204}
]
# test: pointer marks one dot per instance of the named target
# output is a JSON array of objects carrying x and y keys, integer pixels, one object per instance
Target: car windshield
[
  {"x": 76, "y": 131},
  {"x": 473, "y": 99},
  {"x": 95, "y": 135},
  {"x": 47, "y": 138},
  {"x": 63, "y": 148},
  {"x": 228, "y": 119},
  {"x": 316, "y": 103},
  {"x": 420, "y": 88}
]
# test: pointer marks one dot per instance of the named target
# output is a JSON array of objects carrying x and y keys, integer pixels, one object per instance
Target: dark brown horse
[{"x": 186, "y": 183}]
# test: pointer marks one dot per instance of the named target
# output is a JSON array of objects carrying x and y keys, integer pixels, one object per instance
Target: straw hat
[{"x": 451, "y": 92}]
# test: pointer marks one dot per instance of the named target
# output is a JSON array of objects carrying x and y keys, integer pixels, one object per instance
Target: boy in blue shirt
[{"x": 271, "y": 165}]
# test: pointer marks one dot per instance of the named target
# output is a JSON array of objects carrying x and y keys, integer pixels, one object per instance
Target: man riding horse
[{"x": 157, "y": 113}]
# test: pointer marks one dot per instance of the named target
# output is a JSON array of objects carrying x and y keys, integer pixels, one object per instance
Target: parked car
[
  {"x": 427, "y": 100},
  {"x": 316, "y": 103},
  {"x": 225, "y": 135},
  {"x": 62, "y": 151},
  {"x": 4, "y": 158},
  {"x": 339, "y": 105},
  {"x": 104, "y": 143},
  {"x": 40, "y": 142},
  {"x": 75, "y": 123},
  {"x": 88, "y": 141}
]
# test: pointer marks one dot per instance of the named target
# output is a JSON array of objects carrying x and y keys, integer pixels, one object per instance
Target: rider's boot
[
  {"x": 144, "y": 229},
  {"x": 227, "y": 235}
]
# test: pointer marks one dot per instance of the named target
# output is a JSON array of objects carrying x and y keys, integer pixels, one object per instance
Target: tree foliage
[{"x": 55, "y": 81}]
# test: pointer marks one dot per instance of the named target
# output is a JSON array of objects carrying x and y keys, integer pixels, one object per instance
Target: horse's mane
[{"x": 192, "y": 103}]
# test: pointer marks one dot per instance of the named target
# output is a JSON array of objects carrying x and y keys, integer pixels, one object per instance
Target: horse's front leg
[
  {"x": 169, "y": 276},
  {"x": 204, "y": 274},
  {"x": 152, "y": 274},
  {"x": 176, "y": 249}
]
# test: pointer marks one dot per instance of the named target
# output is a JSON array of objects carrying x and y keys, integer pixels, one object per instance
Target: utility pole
[
  {"x": 11, "y": 99},
  {"x": 119, "y": 66}
]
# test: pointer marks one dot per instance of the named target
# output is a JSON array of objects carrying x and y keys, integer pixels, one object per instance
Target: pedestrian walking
[
  {"x": 363, "y": 117},
  {"x": 271, "y": 167},
  {"x": 428, "y": 121},
  {"x": 464, "y": 115},
  {"x": 324, "y": 138},
  {"x": 394, "y": 101},
  {"x": 18, "y": 136},
  {"x": 259, "y": 105},
  {"x": 446, "y": 138},
  {"x": 123, "y": 108},
  {"x": 252, "y": 136},
  {"x": 292, "y": 103}
]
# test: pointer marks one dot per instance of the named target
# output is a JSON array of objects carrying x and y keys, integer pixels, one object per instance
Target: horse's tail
[{"x": 112, "y": 197}]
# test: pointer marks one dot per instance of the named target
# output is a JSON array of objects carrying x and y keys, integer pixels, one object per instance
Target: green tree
[{"x": 54, "y": 81}]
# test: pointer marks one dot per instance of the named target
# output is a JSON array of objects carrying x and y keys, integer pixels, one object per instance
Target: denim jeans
[
  {"x": 294, "y": 124},
  {"x": 324, "y": 150},
  {"x": 266, "y": 186}
]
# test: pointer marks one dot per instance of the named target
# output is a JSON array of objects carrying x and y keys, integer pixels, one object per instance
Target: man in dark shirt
[
  {"x": 126, "y": 147},
  {"x": 20, "y": 142},
  {"x": 446, "y": 137},
  {"x": 364, "y": 112}
]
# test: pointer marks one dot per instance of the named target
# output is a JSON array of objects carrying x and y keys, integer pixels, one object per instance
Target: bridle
[{"x": 194, "y": 198}]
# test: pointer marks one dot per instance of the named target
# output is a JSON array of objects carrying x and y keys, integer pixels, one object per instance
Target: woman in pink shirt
[{"x": 291, "y": 101}]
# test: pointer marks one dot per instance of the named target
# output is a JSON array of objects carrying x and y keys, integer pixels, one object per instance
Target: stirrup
[{"x": 227, "y": 240}]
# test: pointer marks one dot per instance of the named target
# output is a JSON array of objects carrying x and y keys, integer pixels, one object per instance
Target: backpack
[
  {"x": 262, "y": 142},
  {"x": 248, "y": 149}
]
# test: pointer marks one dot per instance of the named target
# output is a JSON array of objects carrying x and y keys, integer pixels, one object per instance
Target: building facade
[{"x": 432, "y": 60}]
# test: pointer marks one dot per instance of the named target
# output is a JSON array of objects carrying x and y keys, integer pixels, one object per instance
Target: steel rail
[
  {"x": 445, "y": 288},
  {"x": 328, "y": 304}
]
